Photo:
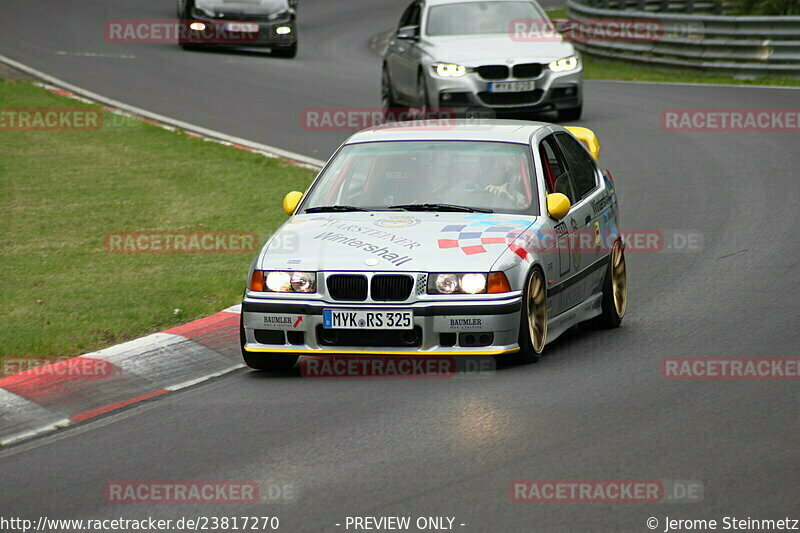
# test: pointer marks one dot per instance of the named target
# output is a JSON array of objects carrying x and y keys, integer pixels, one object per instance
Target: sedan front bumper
[{"x": 449, "y": 328}]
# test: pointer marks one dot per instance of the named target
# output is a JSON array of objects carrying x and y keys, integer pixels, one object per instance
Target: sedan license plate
[
  {"x": 367, "y": 319},
  {"x": 242, "y": 27},
  {"x": 511, "y": 86}
]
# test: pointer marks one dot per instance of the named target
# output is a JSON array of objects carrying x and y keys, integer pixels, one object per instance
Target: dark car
[{"x": 240, "y": 24}]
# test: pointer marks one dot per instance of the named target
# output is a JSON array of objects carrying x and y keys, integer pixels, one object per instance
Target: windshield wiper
[
  {"x": 441, "y": 207},
  {"x": 326, "y": 208}
]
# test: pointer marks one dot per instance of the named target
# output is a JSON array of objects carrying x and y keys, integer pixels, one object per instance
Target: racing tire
[
  {"x": 391, "y": 108},
  {"x": 261, "y": 361},
  {"x": 615, "y": 290},
  {"x": 533, "y": 319},
  {"x": 568, "y": 115},
  {"x": 288, "y": 53}
]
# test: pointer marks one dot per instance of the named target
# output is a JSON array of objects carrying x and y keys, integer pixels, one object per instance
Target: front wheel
[
  {"x": 265, "y": 361},
  {"x": 533, "y": 322},
  {"x": 571, "y": 114},
  {"x": 289, "y": 53}
]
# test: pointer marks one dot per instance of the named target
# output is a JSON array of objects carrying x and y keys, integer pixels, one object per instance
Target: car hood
[
  {"x": 403, "y": 242},
  {"x": 477, "y": 50}
]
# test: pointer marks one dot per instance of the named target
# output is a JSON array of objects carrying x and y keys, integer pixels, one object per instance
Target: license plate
[
  {"x": 242, "y": 27},
  {"x": 367, "y": 319},
  {"x": 511, "y": 86}
]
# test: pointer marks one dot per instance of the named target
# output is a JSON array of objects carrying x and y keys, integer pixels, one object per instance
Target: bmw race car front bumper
[
  {"x": 484, "y": 327},
  {"x": 470, "y": 94}
]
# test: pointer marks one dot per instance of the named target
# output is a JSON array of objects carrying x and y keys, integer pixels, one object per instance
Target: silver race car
[
  {"x": 449, "y": 237},
  {"x": 462, "y": 56}
]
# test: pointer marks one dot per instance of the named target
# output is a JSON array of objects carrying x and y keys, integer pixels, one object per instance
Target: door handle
[{"x": 588, "y": 219}]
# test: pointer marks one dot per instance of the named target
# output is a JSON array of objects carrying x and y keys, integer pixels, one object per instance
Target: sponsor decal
[
  {"x": 482, "y": 230},
  {"x": 600, "y": 204},
  {"x": 380, "y": 251},
  {"x": 278, "y": 321},
  {"x": 576, "y": 245},
  {"x": 372, "y": 232},
  {"x": 397, "y": 222}
]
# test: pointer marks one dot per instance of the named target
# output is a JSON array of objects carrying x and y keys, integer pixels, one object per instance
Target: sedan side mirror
[
  {"x": 410, "y": 33},
  {"x": 290, "y": 202},
  {"x": 558, "y": 205}
]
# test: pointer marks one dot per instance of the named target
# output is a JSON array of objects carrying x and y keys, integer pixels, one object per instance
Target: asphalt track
[{"x": 595, "y": 408}]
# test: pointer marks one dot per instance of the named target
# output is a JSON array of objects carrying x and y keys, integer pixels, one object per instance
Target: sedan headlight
[
  {"x": 564, "y": 65},
  {"x": 468, "y": 283},
  {"x": 282, "y": 281},
  {"x": 450, "y": 70}
]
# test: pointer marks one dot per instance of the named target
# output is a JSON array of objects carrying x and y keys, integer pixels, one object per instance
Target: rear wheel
[
  {"x": 615, "y": 290},
  {"x": 533, "y": 322},
  {"x": 265, "y": 361}
]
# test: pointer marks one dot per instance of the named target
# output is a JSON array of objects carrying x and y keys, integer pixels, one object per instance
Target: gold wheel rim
[
  {"x": 619, "y": 280},
  {"x": 537, "y": 312}
]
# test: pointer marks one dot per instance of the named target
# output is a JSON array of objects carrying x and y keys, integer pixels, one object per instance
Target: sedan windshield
[
  {"x": 427, "y": 176},
  {"x": 473, "y": 18}
]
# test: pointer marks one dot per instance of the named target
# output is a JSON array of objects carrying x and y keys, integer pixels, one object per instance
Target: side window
[
  {"x": 555, "y": 169},
  {"x": 584, "y": 171},
  {"x": 410, "y": 16}
]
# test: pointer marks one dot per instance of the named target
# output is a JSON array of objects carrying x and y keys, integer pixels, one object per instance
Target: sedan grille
[
  {"x": 348, "y": 287},
  {"x": 391, "y": 288},
  {"x": 493, "y": 72},
  {"x": 380, "y": 338},
  {"x": 528, "y": 70}
]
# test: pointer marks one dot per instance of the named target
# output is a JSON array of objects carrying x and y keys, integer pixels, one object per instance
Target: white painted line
[
  {"x": 93, "y": 54},
  {"x": 191, "y": 382},
  {"x": 278, "y": 152}
]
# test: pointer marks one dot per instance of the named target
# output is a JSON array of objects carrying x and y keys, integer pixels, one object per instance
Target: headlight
[
  {"x": 469, "y": 283},
  {"x": 197, "y": 26},
  {"x": 280, "y": 281},
  {"x": 283, "y": 30},
  {"x": 449, "y": 70},
  {"x": 564, "y": 65}
]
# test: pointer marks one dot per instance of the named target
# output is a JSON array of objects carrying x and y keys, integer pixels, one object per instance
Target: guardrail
[{"x": 742, "y": 46}]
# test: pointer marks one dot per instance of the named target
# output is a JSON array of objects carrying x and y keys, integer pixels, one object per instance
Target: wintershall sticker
[
  {"x": 380, "y": 251},
  {"x": 181, "y": 242},
  {"x": 730, "y": 368}
]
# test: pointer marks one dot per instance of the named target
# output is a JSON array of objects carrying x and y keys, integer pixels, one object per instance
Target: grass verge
[
  {"x": 62, "y": 192},
  {"x": 599, "y": 68}
]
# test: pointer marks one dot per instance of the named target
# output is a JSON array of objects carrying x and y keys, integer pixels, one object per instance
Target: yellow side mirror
[
  {"x": 290, "y": 202},
  {"x": 588, "y": 137},
  {"x": 558, "y": 205}
]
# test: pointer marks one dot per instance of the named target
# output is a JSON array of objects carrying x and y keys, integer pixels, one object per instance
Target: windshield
[
  {"x": 472, "y": 18},
  {"x": 492, "y": 176},
  {"x": 247, "y": 6}
]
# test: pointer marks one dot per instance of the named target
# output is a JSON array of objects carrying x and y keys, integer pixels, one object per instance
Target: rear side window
[
  {"x": 583, "y": 170},
  {"x": 555, "y": 169}
]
